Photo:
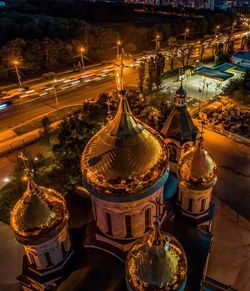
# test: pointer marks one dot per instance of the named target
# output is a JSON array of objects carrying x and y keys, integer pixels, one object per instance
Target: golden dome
[
  {"x": 197, "y": 169},
  {"x": 125, "y": 156},
  {"x": 38, "y": 211},
  {"x": 156, "y": 262}
]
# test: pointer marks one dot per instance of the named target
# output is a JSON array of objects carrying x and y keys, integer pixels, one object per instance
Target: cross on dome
[{"x": 120, "y": 74}]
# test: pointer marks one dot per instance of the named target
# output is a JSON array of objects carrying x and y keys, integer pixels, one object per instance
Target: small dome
[
  {"x": 124, "y": 157},
  {"x": 197, "y": 169},
  {"x": 156, "y": 262},
  {"x": 181, "y": 92},
  {"x": 38, "y": 211}
]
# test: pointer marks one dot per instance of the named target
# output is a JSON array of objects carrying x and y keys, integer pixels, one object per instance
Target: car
[{"x": 5, "y": 104}]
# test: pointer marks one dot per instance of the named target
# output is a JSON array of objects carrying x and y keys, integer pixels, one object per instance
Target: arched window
[
  {"x": 190, "y": 204},
  {"x": 109, "y": 224},
  {"x": 203, "y": 202},
  {"x": 48, "y": 258},
  {"x": 147, "y": 219},
  {"x": 128, "y": 227},
  {"x": 172, "y": 152}
]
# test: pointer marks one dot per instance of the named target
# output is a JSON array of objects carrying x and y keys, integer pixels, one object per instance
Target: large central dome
[{"x": 125, "y": 157}]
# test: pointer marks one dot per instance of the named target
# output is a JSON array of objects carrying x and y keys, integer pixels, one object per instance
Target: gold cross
[
  {"x": 24, "y": 159},
  {"x": 119, "y": 75}
]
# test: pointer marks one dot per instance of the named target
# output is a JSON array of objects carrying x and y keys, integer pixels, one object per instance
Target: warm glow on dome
[
  {"x": 197, "y": 168},
  {"x": 38, "y": 211},
  {"x": 156, "y": 262},
  {"x": 125, "y": 157}
]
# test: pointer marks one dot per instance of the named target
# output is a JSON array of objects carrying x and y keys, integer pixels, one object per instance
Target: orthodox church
[{"x": 139, "y": 236}]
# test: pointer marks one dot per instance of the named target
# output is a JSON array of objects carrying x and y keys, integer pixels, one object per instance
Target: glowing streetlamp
[
  {"x": 15, "y": 63},
  {"x": 233, "y": 25},
  {"x": 118, "y": 44},
  {"x": 82, "y": 50},
  {"x": 157, "y": 42},
  {"x": 216, "y": 29},
  {"x": 185, "y": 34}
]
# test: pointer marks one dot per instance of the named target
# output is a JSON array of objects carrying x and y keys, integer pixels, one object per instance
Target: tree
[
  {"x": 159, "y": 69},
  {"x": 73, "y": 135},
  {"x": 46, "y": 130},
  {"x": 150, "y": 74},
  {"x": 141, "y": 76}
]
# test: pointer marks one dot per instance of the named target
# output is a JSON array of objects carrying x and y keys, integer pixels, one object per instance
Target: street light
[
  {"x": 216, "y": 29},
  {"x": 185, "y": 34},
  {"x": 15, "y": 63},
  {"x": 118, "y": 43},
  {"x": 233, "y": 25},
  {"x": 157, "y": 43},
  {"x": 82, "y": 50},
  {"x": 55, "y": 93}
]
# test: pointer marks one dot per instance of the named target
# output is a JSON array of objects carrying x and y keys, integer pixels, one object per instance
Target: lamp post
[
  {"x": 185, "y": 34},
  {"x": 233, "y": 25},
  {"x": 55, "y": 93},
  {"x": 118, "y": 43},
  {"x": 216, "y": 29},
  {"x": 82, "y": 50},
  {"x": 157, "y": 43},
  {"x": 15, "y": 63}
]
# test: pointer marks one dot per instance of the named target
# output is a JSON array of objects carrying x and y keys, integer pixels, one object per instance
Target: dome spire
[
  {"x": 201, "y": 138},
  {"x": 32, "y": 187},
  {"x": 180, "y": 97},
  {"x": 119, "y": 76}
]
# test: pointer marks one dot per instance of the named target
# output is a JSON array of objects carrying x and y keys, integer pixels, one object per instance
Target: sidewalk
[{"x": 230, "y": 256}]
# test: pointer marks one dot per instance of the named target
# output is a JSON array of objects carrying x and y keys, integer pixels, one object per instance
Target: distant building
[
  {"x": 2, "y": 4},
  {"x": 217, "y": 5},
  {"x": 242, "y": 58}
]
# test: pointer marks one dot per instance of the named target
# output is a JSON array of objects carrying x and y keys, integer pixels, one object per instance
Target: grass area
[{"x": 37, "y": 123}]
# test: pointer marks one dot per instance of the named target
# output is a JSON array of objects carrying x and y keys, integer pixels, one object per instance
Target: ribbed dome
[
  {"x": 124, "y": 157},
  {"x": 197, "y": 168},
  {"x": 38, "y": 211},
  {"x": 156, "y": 262}
]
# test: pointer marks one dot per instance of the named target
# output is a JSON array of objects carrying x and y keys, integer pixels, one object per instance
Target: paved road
[
  {"x": 25, "y": 112},
  {"x": 233, "y": 161}
]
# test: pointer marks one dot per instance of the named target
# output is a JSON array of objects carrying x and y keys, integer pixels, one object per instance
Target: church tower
[
  {"x": 198, "y": 175},
  {"x": 179, "y": 130},
  {"x": 156, "y": 262},
  {"x": 40, "y": 223},
  {"x": 124, "y": 168}
]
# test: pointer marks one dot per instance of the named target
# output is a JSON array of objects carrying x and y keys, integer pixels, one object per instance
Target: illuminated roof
[
  {"x": 156, "y": 262},
  {"x": 125, "y": 157},
  {"x": 179, "y": 124},
  {"x": 197, "y": 169},
  {"x": 38, "y": 211}
]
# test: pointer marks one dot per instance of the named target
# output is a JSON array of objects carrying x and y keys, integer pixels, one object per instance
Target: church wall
[
  {"x": 196, "y": 206},
  {"x": 51, "y": 252},
  {"x": 116, "y": 225}
]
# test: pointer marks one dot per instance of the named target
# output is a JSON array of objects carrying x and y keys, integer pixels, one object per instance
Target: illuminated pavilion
[
  {"x": 179, "y": 131},
  {"x": 40, "y": 223}
]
